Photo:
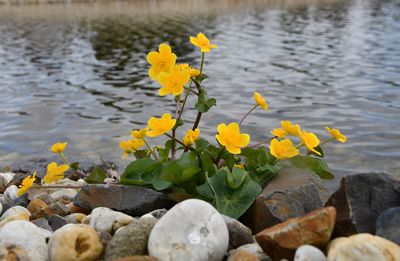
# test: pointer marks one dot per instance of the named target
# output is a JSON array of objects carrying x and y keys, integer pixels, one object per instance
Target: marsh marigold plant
[{"x": 229, "y": 170}]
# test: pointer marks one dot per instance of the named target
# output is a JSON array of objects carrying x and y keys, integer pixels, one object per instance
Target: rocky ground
[{"x": 294, "y": 218}]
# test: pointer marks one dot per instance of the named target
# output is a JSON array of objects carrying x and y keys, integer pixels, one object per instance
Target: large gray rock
[
  {"x": 360, "y": 199},
  {"x": 191, "y": 230},
  {"x": 133, "y": 200},
  {"x": 130, "y": 240},
  {"x": 293, "y": 193},
  {"x": 388, "y": 225}
]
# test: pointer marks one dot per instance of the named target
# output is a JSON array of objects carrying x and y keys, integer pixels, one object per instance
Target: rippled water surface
[{"x": 78, "y": 73}]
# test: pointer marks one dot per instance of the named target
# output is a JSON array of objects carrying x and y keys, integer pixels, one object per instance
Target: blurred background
[{"x": 77, "y": 72}]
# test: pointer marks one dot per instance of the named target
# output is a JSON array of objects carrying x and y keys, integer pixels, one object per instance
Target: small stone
[
  {"x": 59, "y": 209},
  {"x": 44, "y": 196},
  {"x": 130, "y": 240},
  {"x": 282, "y": 240},
  {"x": 75, "y": 218},
  {"x": 11, "y": 192},
  {"x": 22, "y": 201},
  {"x": 14, "y": 213},
  {"x": 239, "y": 234},
  {"x": 256, "y": 250},
  {"x": 158, "y": 213},
  {"x": 309, "y": 253},
  {"x": 137, "y": 258},
  {"x": 56, "y": 222},
  {"x": 64, "y": 195},
  {"x": 241, "y": 255},
  {"x": 105, "y": 219},
  {"x": 365, "y": 247},
  {"x": 360, "y": 199},
  {"x": 13, "y": 253},
  {"x": 75, "y": 243},
  {"x": 39, "y": 209},
  {"x": 191, "y": 230},
  {"x": 388, "y": 225},
  {"x": 293, "y": 193},
  {"x": 42, "y": 223},
  {"x": 5, "y": 178},
  {"x": 133, "y": 200},
  {"x": 1, "y": 208},
  {"x": 27, "y": 236}
]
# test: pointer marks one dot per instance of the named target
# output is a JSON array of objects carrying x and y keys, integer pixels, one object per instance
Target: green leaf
[
  {"x": 96, "y": 176},
  {"x": 164, "y": 153},
  {"x": 228, "y": 158},
  {"x": 135, "y": 171},
  {"x": 158, "y": 181},
  {"x": 232, "y": 202},
  {"x": 182, "y": 169},
  {"x": 201, "y": 144},
  {"x": 75, "y": 166},
  {"x": 318, "y": 166},
  {"x": 201, "y": 77},
  {"x": 178, "y": 123},
  {"x": 319, "y": 149},
  {"x": 203, "y": 102}
]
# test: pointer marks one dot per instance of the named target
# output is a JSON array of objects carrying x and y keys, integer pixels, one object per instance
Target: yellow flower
[
  {"x": 159, "y": 126},
  {"x": 26, "y": 184},
  {"x": 173, "y": 81},
  {"x": 290, "y": 128},
  {"x": 239, "y": 166},
  {"x": 191, "y": 136},
  {"x": 283, "y": 149},
  {"x": 336, "y": 134},
  {"x": 161, "y": 61},
  {"x": 58, "y": 147},
  {"x": 55, "y": 172},
  {"x": 202, "y": 42},
  {"x": 131, "y": 145},
  {"x": 310, "y": 140},
  {"x": 192, "y": 71},
  {"x": 230, "y": 137},
  {"x": 139, "y": 134},
  {"x": 261, "y": 101},
  {"x": 279, "y": 132}
]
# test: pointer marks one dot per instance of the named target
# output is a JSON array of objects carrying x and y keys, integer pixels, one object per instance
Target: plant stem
[
  {"x": 65, "y": 159},
  {"x": 173, "y": 151},
  {"x": 174, "y": 139},
  {"x": 326, "y": 141},
  {"x": 193, "y": 91},
  {"x": 61, "y": 186},
  {"x": 202, "y": 62},
  {"x": 247, "y": 114},
  {"x": 219, "y": 155},
  {"x": 151, "y": 149},
  {"x": 198, "y": 117}
]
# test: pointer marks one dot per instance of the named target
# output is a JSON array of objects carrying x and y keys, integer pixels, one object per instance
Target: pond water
[{"x": 78, "y": 73}]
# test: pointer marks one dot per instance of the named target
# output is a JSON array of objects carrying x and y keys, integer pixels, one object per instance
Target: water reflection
[{"x": 78, "y": 72}]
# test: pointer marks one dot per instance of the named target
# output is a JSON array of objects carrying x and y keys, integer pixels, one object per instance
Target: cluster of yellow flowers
[
  {"x": 173, "y": 77},
  {"x": 54, "y": 172}
]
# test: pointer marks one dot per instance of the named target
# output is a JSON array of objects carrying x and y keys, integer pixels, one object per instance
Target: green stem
[
  {"x": 151, "y": 149},
  {"x": 326, "y": 141},
  {"x": 184, "y": 101},
  {"x": 247, "y": 114},
  {"x": 174, "y": 139},
  {"x": 212, "y": 189},
  {"x": 219, "y": 156},
  {"x": 65, "y": 159},
  {"x": 193, "y": 91},
  {"x": 202, "y": 63},
  {"x": 198, "y": 117}
]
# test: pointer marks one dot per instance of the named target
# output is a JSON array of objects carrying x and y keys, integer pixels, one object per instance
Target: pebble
[
  {"x": 57, "y": 222},
  {"x": 11, "y": 192},
  {"x": 309, "y": 253},
  {"x": 105, "y": 219},
  {"x": 130, "y": 240},
  {"x": 365, "y": 247},
  {"x": 158, "y": 213},
  {"x": 75, "y": 243},
  {"x": 388, "y": 225},
  {"x": 66, "y": 195},
  {"x": 14, "y": 213},
  {"x": 5, "y": 178},
  {"x": 75, "y": 218},
  {"x": 239, "y": 234},
  {"x": 191, "y": 230},
  {"x": 27, "y": 236},
  {"x": 13, "y": 253}
]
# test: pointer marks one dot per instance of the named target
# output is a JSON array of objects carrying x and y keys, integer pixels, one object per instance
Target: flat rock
[
  {"x": 130, "y": 240},
  {"x": 365, "y": 247},
  {"x": 133, "y": 200},
  {"x": 27, "y": 236},
  {"x": 282, "y": 240},
  {"x": 191, "y": 230},
  {"x": 293, "y": 193},
  {"x": 388, "y": 225},
  {"x": 360, "y": 199}
]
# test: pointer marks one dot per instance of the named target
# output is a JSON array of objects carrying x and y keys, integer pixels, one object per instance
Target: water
[{"x": 78, "y": 73}]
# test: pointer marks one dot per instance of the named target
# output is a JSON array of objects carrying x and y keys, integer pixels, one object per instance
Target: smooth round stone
[
  {"x": 14, "y": 213},
  {"x": 1, "y": 207},
  {"x": 388, "y": 225},
  {"x": 309, "y": 253},
  {"x": 191, "y": 230},
  {"x": 27, "y": 236},
  {"x": 64, "y": 194},
  {"x": 105, "y": 219},
  {"x": 13, "y": 253},
  {"x": 255, "y": 249},
  {"x": 11, "y": 192},
  {"x": 365, "y": 247},
  {"x": 5, "y": 178},
  {"x": 130, "y": 240},
  {"x": 75, "y": 243}
]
